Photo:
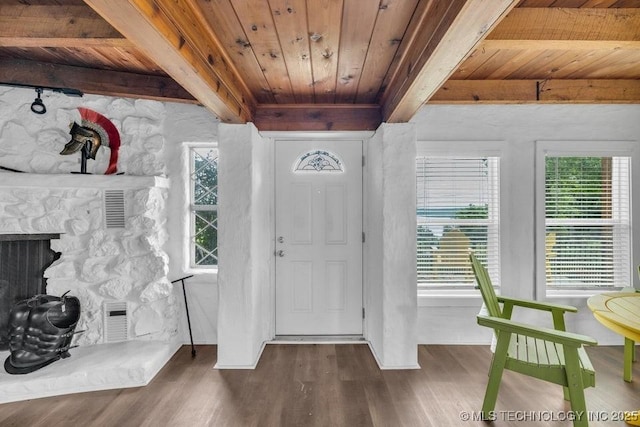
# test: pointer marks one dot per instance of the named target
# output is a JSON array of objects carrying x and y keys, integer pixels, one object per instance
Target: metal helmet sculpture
[{"x": 93, "y": 131}]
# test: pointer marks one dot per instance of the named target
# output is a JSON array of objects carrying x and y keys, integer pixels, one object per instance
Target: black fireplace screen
[{"x": 23, "y": 260}]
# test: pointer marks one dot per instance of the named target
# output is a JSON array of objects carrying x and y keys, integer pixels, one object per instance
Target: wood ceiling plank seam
[
  {"x": 568, "y": 3},
  {"x": 555, "y": 69},
  {"x": 359, "y": 17},
  {"x": 147, "y": 66},
  {"x": 533, "y": 66},
  {"x": 599, "y": 3},
  {"x": 490, "y": 65},
  {"x": 502, "y": 71},
  {"x": 618, "y": 65},
  {"x": 136, "y": 61},
  {"x": 188, "y": 21},
  {"x": 435, "y": 30},
  {"x": 595, "y": 63},
  {"x": 257, "y": 23},
  {"x": 325, "y": 21},
  {"x": 627, "y": 4},
  {"x": 290, "y": 22},
  {"x": 389, "y": 29},
  {"x": 142, "y": 22},
  {"x": 221, "y": 16},
  {"x": 576, "y": 65},
  {"x": 412, "y": 33},
  {"x": 469, "y": 27},
  {"x": 478, "y": 59},
  {"x": 536, "y": 3}
]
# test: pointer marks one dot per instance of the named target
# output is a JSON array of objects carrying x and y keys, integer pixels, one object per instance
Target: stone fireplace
[{"x": 112, "y": 231}]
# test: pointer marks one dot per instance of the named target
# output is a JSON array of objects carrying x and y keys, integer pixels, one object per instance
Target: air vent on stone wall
[
  {"x": 116, "y": 322},
  {"x": 114, "y": 208}
]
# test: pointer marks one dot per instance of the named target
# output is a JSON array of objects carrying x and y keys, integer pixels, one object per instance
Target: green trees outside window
[
  {"x": 587, "y": 221},
  {"x": 204, "y": 206}
]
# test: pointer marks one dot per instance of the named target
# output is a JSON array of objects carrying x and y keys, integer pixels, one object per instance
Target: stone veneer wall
[
  {"x": 31, "y": 142},
  {"x": 97, "y": 264}
]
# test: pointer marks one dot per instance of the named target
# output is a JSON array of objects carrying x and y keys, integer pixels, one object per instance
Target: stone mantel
[{"x": 120, "y": 182}]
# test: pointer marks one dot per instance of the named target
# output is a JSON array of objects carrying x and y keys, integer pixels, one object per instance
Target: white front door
[{"x": 318, "y": 237}]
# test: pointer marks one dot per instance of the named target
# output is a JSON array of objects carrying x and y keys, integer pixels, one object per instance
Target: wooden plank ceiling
[{"x": 326, "y": 64}]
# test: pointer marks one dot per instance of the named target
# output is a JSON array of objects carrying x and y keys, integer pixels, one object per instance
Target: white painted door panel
[{"x": 319, "y": 238}]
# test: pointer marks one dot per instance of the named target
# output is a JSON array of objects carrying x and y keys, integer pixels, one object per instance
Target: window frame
[
  {"x": 192, "y": 207},
  {"x": 437, "y": 296},
  {"x": 577, "y": 149}
]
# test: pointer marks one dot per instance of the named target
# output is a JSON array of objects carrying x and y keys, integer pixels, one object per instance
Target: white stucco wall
[
  {"x": 245, "y": 243},
  {"x": 453, "y": 320},
  {"x": 185, "y": 124},
  {"x": 390, "y": 252}
]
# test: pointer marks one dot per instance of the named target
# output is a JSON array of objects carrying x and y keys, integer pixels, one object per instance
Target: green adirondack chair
[{"x": 548, "y": 354}]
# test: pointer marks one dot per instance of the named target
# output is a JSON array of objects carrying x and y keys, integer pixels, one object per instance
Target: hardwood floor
[{"x": 331, "y": 385}]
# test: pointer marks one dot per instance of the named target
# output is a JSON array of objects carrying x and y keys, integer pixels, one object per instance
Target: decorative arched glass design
[{"x": 318, "y": 161}]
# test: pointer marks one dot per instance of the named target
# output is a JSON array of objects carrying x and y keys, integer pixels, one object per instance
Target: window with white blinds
[
  {"x": 587, "y": 222},
  {"x": 457, "y": 211}
]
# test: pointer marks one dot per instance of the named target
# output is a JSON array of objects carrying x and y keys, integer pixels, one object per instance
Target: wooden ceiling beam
[
  {"x": 553, "y": 91},
  {"x": 428, "y": 65},
  {"x": 317, "y": 117},
  {"x": 88, "y": 80},
  {"x": 596, "y": 24},
  {"x": 173, "y": 34},
  {"x": 25, "y": 25}
]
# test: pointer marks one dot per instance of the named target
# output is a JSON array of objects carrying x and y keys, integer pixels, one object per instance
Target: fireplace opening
[{"x": 23, "y": 260}]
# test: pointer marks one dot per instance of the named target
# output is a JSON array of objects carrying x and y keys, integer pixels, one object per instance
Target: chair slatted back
[{"x": 486, "y": 288}]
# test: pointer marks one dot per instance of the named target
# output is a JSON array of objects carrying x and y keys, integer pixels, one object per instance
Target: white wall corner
[
  {"x": 244, "y": 243},
  {"x": 396, "y": 146}
]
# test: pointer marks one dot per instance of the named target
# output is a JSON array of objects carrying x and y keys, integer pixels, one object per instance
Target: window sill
[
  {"x": 577, "y": 293},
  {"x": 449, "y": 298},
  {"x": 202, "y": 272}
]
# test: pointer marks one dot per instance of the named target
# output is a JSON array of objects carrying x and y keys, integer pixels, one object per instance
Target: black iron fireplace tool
[{"x": 186, "y": 306}]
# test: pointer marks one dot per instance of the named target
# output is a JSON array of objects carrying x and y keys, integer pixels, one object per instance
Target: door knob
[
  {"x": 280, "y": 253},
  {"x": 280, "y": 239}
]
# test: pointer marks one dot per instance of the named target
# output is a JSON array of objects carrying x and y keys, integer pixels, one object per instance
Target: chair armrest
[
  {"x": 538, "y": 305},
  {"x": 560, "y": 337}
]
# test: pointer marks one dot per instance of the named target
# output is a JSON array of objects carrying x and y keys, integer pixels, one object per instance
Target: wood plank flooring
[{"x": 331, "y": 385}]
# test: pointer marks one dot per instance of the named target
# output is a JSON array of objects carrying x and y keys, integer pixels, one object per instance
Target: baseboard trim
[
  {"x": 251, "y": 366},
  {"x": 390, "y": 368}
]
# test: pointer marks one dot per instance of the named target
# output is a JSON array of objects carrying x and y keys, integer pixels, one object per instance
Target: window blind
[
  {"x": 457, "y": 211},
  {"x": 587, "y": 216}
]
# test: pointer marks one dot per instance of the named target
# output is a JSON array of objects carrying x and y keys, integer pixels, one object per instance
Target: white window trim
[
  {"x": 188, "y": 248},
  {"x": 440, "y": 148},
  {"x": 544, "y": 148}
]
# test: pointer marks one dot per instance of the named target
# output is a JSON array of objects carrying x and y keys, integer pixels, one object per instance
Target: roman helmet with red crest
[{"x": 94, "y": 131}]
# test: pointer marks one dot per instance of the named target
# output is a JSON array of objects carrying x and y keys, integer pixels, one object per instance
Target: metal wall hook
[{"x": 37, "y": 106}]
